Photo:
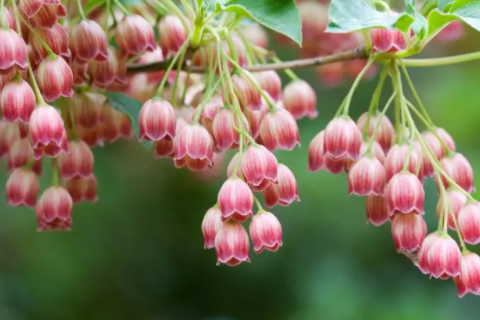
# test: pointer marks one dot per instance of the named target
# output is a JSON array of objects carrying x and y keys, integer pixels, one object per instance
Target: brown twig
[{"x": 359, "y": 53}]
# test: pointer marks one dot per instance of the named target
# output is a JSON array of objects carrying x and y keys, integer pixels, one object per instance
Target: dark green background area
[{"x": 138, "y": 253}]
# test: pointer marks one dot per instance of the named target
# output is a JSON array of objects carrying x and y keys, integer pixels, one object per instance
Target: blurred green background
[{"x": 138, "y": 253}]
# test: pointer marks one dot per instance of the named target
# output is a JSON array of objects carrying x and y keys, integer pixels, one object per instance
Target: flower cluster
[
  {"x": 55, "y": 79},
  {"x": 64, "y": 87},
  {"x": 388, "y": 164}
]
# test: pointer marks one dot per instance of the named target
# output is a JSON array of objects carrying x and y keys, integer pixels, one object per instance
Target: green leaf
[
  {"x": 420, "y": 26},
  {"x": 279, "y": 15},
  {"x": 355, "y": 15},
  {"x": 411, "y": 2},
  {"x": 130, "y": 107},
  {"x": 467, "y": 11}
]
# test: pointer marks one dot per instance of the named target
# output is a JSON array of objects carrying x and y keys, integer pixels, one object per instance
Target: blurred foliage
[{"x": 138, "y": 253}]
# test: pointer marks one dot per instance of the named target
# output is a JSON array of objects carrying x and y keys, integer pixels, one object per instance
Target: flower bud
[
  {"x": 405, "y": 194},
  {"x": 87, "y": 108},
  {"x": 444, "y": 258},
  {"x": 377, "y": 210},
  {"x": 20, "y": 153},
  {"x": 211, "y": 224},
  {"x": 17, "y": 101},
  {"x": 367, "y": 176},
  {"x": 46, "y": 126},
  {"x": 408, "y": 231},
  {"x": 226, "y": 136},
  {"x": 300, "y": 100},
  {"x": 385, "y": 133},
  {"x": 459, "y": 169},
  {"x": 470, "y": 272},
  {"x": 14, "y": 51},
  {"x": 285, "y": 191},
  {"x": 51, "y": 149},
  {"x": 248, "y": 96},
  {"x": 115, "y": 124},
  {"x": 386, "y": 40},
  {"x": 453, "y": 202},
  {"x": 427, "y": 244},
  {"x": 135, "y": 35},
  {"x": 55, "y": 78},
  {"x": 172, "y": 33},
  {"x": 8, "y": 135},
  {"x": 22, "y": 188},
  {"x": 270, "y": 82},
  {"x": 436, "y": 147},
  {"x": 56, "y": 38},
  {"x": 209, "y": 112},
  {"x": 193, "y": 147},
  {"x": 469, "y": 222},
  {"x": 266, "y": 232},
  {"x": 54, "y": 210},
  {"x": 88, "y": 41},
  {"x": 398, "y": 155},
  {"x": 342, "y": 139},
  {"x": 43, "y": 13},
  {"x": 259, "y": 167},
  {"x": 235, "y": 200},
  {"x": 157, "y": 120},
  {"x": 279, "y": 130},
  {"x": 104, "y": 73},
  {"x": 79, "y": 162},
  {"x": 232, "y": 244},
  {"x": 82, "y": 189}
]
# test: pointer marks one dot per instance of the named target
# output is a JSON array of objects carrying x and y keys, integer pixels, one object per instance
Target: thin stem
[
  {"x": 375, "y": 100},
  {"x": 377, "y": 126},
  {"x": 80, "y": 9},
  {"x": 288, "y": 72},
  {"x": 2, "y": 16},
  {"x": 107, "y": 15},
  {"x": 55, "y": 174},
  {"x": 36, "y": 90},
  {"x": 17, "y": 20},
  {"x": 120, "y": 6},
  {"x": 172, "y": 64},
  {"x": 415, "y": 95},
  {"x": 177, "y": 77},
  {"x": 354, "y": 86},
  {"x": 258, "y": 204},
  {"x": 32, "y": 30},
  {"x": 231, "y": 46},
  {"x": 434, "y": 62}
]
